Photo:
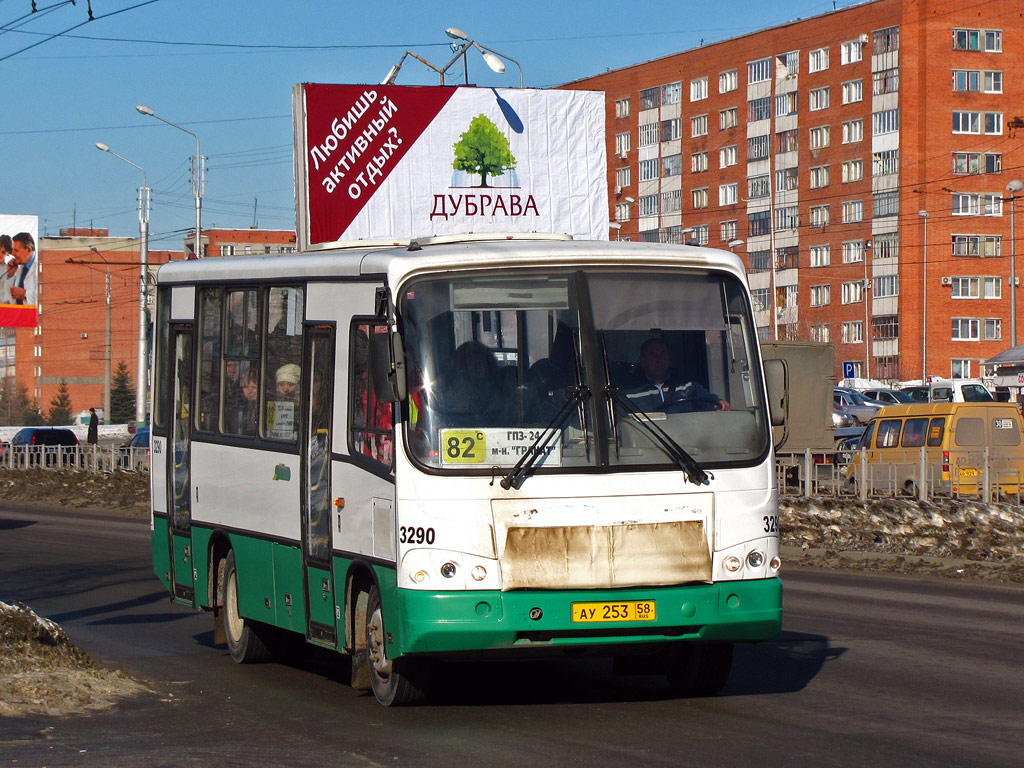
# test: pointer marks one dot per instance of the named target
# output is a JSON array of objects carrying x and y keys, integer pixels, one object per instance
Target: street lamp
[
  {"x": 924, "y": 296},
  {"x": 197, "y": 176},
  {"x": 142, "y": 366},
  {"x": 1014, "y": 186},
  {"x": 492, "y": 61}
]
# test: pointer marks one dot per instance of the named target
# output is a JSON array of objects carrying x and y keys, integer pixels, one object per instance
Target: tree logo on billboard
[{"x": 484, "y": 151}]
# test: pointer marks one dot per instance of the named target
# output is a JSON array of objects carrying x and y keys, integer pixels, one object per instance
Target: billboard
[
  {"x": 19, "y": 270},
  {"x": 393, "y": 163}
]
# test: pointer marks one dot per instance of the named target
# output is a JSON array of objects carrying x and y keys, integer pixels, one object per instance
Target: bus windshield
[{"x": 492, "y": 360}]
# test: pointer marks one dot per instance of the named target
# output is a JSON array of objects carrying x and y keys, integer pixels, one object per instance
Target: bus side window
[
  {"x": 888, "y": 433},
  {"x": 913, "y": 433},
  {"x": 282, "y": 374},
  {"x": 935, "y": 430},
  {"x": 371, "y": 420}
]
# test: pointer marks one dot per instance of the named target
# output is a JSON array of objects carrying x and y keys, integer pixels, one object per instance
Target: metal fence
[
  {"x": 913, "y": 473},
  {"x": 88, "y": 458}
]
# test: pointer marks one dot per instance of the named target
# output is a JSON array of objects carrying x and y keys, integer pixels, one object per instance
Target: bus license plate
[
  {"x": 627, "y": 610},
  {"x": 968, "y": 472}
]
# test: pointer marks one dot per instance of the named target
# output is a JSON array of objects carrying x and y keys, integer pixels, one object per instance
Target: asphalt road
[{"x": 870, "y": 670}]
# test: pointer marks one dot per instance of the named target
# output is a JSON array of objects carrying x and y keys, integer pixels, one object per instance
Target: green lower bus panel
[
  {"x": 161, "y": 553},
  {"x": 464, "y": 621}
]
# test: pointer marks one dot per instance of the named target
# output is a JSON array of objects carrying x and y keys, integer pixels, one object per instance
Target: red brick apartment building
[
  {"x": 823, "y": 150},
  {"x": 69, "y": 342}
]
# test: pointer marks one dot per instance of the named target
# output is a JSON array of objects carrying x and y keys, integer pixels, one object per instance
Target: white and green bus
[{"x": 443, "y": 450}]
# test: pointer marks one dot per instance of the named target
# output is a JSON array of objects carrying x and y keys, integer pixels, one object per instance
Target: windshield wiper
[
  {"x": 693, "y": 471},
  {"x": 537, "y": 448}
]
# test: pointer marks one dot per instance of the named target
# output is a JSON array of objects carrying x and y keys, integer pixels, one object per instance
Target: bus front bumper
[{"x": 442, "y": 622}]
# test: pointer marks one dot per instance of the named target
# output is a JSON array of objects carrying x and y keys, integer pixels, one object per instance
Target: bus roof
[{"x": 400, "y": 262}]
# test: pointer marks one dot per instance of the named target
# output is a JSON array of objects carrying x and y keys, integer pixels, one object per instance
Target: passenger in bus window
[
  {"x": 476, "y": 395},
  {"x": 249, "y": 404},
  {"x": 665, "y": 389}
]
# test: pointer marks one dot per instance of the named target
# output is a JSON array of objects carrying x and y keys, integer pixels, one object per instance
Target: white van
[{"x": 959, "y": 391}]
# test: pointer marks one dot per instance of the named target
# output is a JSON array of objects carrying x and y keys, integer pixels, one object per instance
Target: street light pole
[
  {"x": 106, "y": 346},
  {"x": 197, "y": 176},
  {"x": 1013, "y": 187},
  {"x": 142, "y": 360},
  {"x": 924, "y": 299}
]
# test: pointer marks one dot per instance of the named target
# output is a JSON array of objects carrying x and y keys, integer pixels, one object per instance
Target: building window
[
  {"x": 819, "y": 99},
  {"x": 698, "y": 89},
  {"x": 789, "y": 141},
  {"x": 786, "y": 104},
  {"x": 698, "y": 162},
  {"x": 727, "y": 194},
  {"x": 758, "y": 186},
  {"x": 966, "y": 288},
  {"x": 853, "y": 333},
  {"x": 966, "y": 329},
  {"x": 887, "y": 246},
  {"x": 650, "y": 98},
  {"x": 853, "y": 170},
  {"x": 622, "y": 107},
  {"x": 622, "y": 212},
  {"x": 978, "y": 40},
  {"x": 886, "y": 121},
  {"x": 759, "y": 299},
  {"x": 819, "y": 216},
  {"x": 853, "y": 210},
  {"x": 819, "y": 177},
  {"x": 787, "y": 179},
  {"x": 758, "y": 147},
  {"x": 671, "y": 93},
  {"x": 671, "y": 130},
  {"x": 700, "y": 197},
  {"x": 622, "y": 177},
  {"x": 983, "y": 246},
  {"x": 728, "y": 81},
  {"x": 853, "y": 131},
  {"x": 820, "y": 333},
  {"x": 788, "y": 257},
  {"x": 728, "y": 118},
  {"x": 759, "y": 224},
  {"x": 819, "y": 137},
  {"x": 960, "y": 369},
  {"x": 977, "y": 162},
  {"x": 885, "y": 81},
  {"x": 672, "y": 201},
  {"x": 648, "y": 169},
  {"x": 886, "y": 286},
  {"x": 227, "y": 250},
  {"x": 992, "y": 287},
  {"x": 886, "y": 204},
  {"x": 853, "y": 91},
  {"x": 759, "y": 109},
  {"x": 886, "y": 327},
  {"x": 820, "y": 295},
  {"x": 699, "y": 125},
  {"x": 977, "y": 81},
  {"x": 648, "y": 134},
  {"x": 672, "y": 165},
  {"x": 759, "y": 71},
  {"x": 621, "y": 144},
  {"x": 648, "y": 205},
  {"x": 993, "y": 329},
  {"x": 787, "y": 218},
  {"x": 990, "y": 123},
  {"x": 884, "y": 163},
  {"x": 853, "y": 251},
  {"x": 729, "y": 230},
  {"x": 821, "y": 255},
  {"x": 760, "y": 261},
  {"x": 817, "y": 60},
  {"x": 886, "y": 40},
  {"x": 853, "y": 292},
  {"x": 727, "y": 156},
  {"x": 701, "y": 234},
  {"x": 851, "y": 52}
]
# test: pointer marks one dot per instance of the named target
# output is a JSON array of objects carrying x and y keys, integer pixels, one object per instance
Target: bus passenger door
[
  {"x": 318, "y": 362},
  {"x": 182, "y": 569}
]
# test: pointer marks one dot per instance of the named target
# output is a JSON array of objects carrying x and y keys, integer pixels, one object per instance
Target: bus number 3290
[{"x": 409, "y": 534}]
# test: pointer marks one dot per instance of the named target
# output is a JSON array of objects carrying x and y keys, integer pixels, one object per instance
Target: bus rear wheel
[
  {"x": 699, "y": 670},
  {"x": 244, "y": 643},
  {"x": 396, "y": 682}
]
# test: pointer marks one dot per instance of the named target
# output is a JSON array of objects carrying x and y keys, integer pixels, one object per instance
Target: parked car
[
  {"x": 135, "y": 451},
  {"x": 46, "y": 446},
  {"x": 841, "y": 417},
  {"x": 918, "y": 394},
  {"x": 889, "y": 396},
  {"x": 951, "y": 391},
  {"x": 861, "y": 409}
]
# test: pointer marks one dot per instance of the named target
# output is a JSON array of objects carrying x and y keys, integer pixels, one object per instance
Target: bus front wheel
[
  {"x": 699, "y": 670},
  {"x": 395, "y": 682},
  {"x": 244, "y": 644}
]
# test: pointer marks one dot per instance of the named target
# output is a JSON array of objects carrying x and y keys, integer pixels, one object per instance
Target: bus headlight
[
  {"x": 775, "y": 563},
  {"x": 448, "y": 570},
  {"x": 479, "y": 573},
  {"x": 419, "y": 577},
  {"x": 732, "y": 563},
  {"x": 755, "y": 559}
]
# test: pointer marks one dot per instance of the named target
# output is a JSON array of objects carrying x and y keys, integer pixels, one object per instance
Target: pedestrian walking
[{"x": 94, "y": 427}]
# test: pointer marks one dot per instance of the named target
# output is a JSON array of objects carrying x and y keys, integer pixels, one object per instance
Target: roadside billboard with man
[{"x": 19, "y": 269}]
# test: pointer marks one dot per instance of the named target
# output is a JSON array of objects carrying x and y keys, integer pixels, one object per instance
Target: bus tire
[
  {"x": 699, "y": 670},
  {"x": 244, "y": 643},
  {"x": 396, "y": 682}
]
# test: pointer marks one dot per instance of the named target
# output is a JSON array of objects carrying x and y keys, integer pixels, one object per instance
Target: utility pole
[{"x": 106, "y": 361}]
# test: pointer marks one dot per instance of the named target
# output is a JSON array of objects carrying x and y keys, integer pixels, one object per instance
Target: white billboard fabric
[{"x": 398, "y": 162}]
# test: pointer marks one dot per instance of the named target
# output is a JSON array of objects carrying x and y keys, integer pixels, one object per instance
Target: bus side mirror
[
  {"x": 387, "y": 367},
  {"x": 397, "y": 375},
  {"x": 778, "y": 398}
]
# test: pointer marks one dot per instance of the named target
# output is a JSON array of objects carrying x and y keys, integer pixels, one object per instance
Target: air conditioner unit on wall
[{"x": 947, "y": 280}]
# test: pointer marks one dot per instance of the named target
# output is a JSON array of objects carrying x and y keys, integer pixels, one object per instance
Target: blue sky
[{"x": 233, "y": 89}]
